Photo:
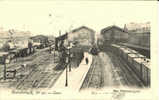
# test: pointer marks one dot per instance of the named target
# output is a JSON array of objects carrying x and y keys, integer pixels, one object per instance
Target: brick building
[
  {"x": 114, "y": 34},
  {"x": 82, "y": 36}
]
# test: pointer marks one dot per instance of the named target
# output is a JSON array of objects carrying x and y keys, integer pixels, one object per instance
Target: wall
[
  {"x": 82, "y": 36},
  {"x": 120, "y": 36},
  {"x": 107, "y": 35},
  {"x": 140, "y": 39},
  {"x": 115, "y": 35}
]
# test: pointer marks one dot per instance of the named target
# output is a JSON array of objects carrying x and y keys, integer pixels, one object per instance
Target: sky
[{"x": 50, "y": 17}]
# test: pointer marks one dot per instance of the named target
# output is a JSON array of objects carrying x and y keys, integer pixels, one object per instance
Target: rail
[{"x": 91, "y": 74}]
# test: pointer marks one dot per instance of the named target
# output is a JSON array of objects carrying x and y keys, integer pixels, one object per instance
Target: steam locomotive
[{"x": 94, "y": 50}]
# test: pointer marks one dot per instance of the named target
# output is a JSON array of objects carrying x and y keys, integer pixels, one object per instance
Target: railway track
[
  {"x": 27, "y": 81},
  {"x": 39, "y": 79},
  {"x": 90, "y": 73},
  {"x": 129, "y": 77},
  {"x": 49, "y": 80},
  {"x": 94, "y": 76},
  {"x": 135, "y": 79},
  {"x": 39, "y": 72}
]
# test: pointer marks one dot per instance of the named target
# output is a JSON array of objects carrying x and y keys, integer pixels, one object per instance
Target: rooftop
[
  {"x": 39, "y": 37},
  {"x": 110, "y": 27},
  {"x": 82, "y": 27}
]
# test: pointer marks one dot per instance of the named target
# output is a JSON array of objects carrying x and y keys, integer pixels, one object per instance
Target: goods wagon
[{"x": 137, "y": 62}]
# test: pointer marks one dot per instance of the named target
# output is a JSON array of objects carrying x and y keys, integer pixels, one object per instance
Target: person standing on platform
[{"x": 86, "y": 60}]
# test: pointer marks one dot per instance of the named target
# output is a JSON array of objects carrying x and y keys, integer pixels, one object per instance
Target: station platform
[{"x": 75, "y": 77}]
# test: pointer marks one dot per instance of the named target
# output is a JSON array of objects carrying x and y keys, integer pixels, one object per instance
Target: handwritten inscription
[
  {"x": 116, "y": 94},
  {"x": 114, "y": 91},
  {"x": 31, "y": 92}
]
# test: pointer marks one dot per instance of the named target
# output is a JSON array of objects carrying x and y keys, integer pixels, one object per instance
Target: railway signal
[
  {"x": 3, "y": 62},
  {"x": 67, "y": 61},
  {"x": 7, "y": 74},
  {"x": 4, "y": 71},
  {"x": 68, "y": 46}
]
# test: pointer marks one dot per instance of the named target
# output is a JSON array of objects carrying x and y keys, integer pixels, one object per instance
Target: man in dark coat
[{"x": 86, "y": 60}]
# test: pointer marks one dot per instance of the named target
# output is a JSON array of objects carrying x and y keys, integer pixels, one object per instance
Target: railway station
[
  {"x": 77, "y": 61},
  {"x": 83, "y": 49}
]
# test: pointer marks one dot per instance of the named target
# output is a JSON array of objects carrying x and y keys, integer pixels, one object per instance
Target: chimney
[{"x": 125, "y": 28}]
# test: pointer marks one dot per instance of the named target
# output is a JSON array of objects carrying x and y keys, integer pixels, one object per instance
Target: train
[{"x": 94, "y": 50}]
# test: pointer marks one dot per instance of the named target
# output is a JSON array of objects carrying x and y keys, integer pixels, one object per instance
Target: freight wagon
[{"x": 138, "y": 63}]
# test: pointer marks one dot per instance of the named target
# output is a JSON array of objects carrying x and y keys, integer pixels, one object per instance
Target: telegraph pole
[
  {"x": 4, "y": 67},
  {"x": 4, "y": 71},
  {"x": 69, "y": 61},
  {"x": 54, "y": 54},
  {"x": 50, "y": 47},
  {"x": 66, "y": 84}
]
